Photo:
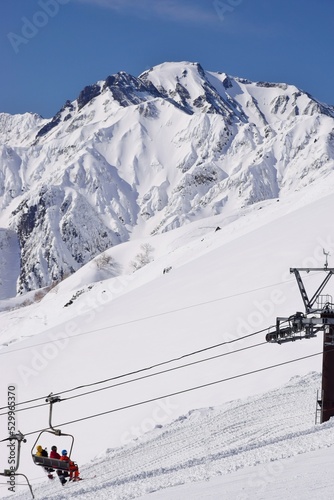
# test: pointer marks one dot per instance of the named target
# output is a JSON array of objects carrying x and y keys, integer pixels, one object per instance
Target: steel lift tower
[{"x": 318, "y": 317}]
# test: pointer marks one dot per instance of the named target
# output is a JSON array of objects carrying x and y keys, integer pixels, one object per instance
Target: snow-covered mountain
[{"x": 137, "y": 156}]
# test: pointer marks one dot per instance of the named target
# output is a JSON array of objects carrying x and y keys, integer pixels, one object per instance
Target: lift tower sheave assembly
[{"x": 301, "y": 326}]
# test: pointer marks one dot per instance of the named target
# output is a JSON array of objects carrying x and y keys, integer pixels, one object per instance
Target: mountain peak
[{"x": 189, "y": 85}]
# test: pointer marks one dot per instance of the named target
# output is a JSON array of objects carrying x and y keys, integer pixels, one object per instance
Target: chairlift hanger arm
[
  {"x": 51, "y": 399},
  {"x": 8, "y": 473},
  {"x": 28, "y": 483},
  {"x": 19, "y": 437}
]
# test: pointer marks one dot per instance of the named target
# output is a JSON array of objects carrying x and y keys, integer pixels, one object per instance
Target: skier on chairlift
[
  {"x": 61, "y": 474},
  {"x": 54, "y": 453},
  {"x": 43, "y": 453},
  {"x": 74, "y": 470}
]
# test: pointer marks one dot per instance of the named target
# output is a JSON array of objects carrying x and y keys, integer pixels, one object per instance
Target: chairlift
[
  {"x": 19, "y": 437},
  {"x": 52, "y": 463}
]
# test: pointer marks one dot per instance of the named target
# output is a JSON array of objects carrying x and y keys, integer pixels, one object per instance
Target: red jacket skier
[
  {"x": 53, "y": 452},
  {"x": 74, "y": 470}
]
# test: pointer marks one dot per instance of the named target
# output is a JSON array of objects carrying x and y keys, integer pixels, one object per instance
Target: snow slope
[
  {"x": 304, "y": 477},
  {"x": 257, "y": 448},
  {"x": 222, "y": 285}
]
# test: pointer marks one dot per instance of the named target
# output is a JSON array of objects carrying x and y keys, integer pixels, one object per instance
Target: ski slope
[
  {"x": 222, "y": 286},
  {"x": 262, "y": 447}
]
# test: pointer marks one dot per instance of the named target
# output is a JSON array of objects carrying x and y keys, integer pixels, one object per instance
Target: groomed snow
[{"x": 258, "y": 448}]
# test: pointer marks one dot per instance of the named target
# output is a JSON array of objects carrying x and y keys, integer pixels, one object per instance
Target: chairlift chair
[{"x": 52, "y": 463}]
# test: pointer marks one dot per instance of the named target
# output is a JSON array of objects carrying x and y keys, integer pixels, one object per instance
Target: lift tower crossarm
[{"x": 307, "y": 302}]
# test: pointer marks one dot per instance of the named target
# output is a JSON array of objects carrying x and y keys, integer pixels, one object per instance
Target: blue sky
[{"x": 51, "y": 49}]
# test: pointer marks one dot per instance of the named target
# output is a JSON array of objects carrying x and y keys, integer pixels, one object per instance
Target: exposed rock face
[{"x": 173, "y": 145}]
